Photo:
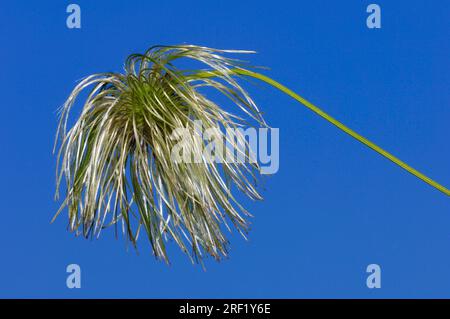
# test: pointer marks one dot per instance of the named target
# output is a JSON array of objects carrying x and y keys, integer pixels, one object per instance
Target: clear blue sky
[{"x": 334, "y": 206}]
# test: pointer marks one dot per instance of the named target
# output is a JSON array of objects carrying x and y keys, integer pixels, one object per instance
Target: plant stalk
[{"x": 335, "y": 122}]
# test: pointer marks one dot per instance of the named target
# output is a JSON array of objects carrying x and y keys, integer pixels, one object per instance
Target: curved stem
[{"x": 335, "y": 122}]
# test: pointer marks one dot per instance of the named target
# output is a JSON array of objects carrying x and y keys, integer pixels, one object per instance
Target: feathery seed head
[{"x": 116, "y": 159}]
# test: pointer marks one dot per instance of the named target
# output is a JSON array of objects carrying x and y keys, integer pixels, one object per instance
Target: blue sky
[{"x": 334, "y": 206}]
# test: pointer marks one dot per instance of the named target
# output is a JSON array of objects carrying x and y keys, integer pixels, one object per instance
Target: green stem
[{"x": 335, "y": 122}]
